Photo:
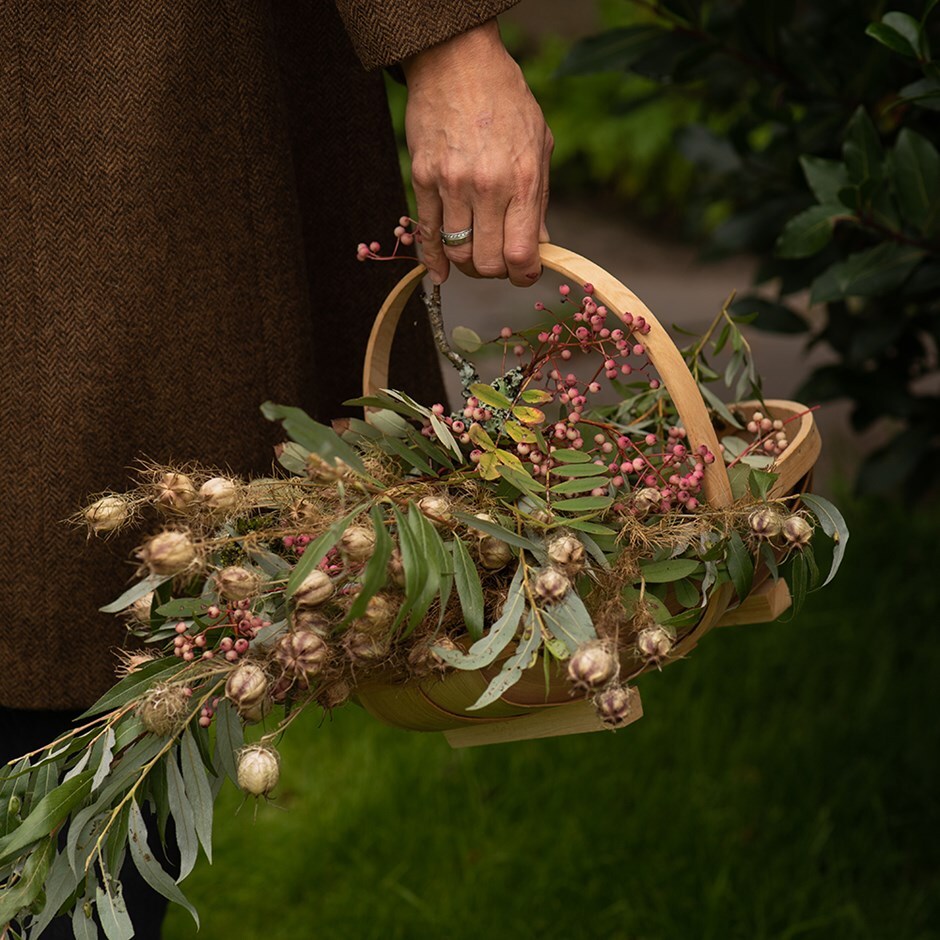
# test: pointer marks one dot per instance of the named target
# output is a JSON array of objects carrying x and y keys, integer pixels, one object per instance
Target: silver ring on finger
[{"x": 453, "y": 239}]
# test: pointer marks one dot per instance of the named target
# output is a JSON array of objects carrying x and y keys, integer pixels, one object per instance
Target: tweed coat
[{"x": 182, "y": 187}]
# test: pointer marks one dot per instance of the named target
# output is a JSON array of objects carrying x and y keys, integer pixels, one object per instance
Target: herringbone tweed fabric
[
  {"x": 182, "y": 186},
  {"x": 388, "y": 32}
]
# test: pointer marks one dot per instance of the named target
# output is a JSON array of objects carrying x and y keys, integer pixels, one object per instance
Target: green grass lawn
[{"x": 781, "y": 785}]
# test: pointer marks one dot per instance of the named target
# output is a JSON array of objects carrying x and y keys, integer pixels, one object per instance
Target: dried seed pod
[
  {"x": 236, "y": 583},
  {"x": 219, "y": 494},
  {"x": 314, "y": 589},
  {"x": 308, "y": 618},
  {"x": 437, "y": 509},
  {"x": 551, "y": 585},
  {"x": 169, "y": 552},
  {"x": 334, "y": 694},
  {"x": 173, "y": 492},
  {"x": 302, "y": 654},
  {"x": 132, "y": 660},
  {"x": 647, "y": 500},
  {"x": 379, "y": 613},
  {"x": 163, "y": 709},
  {"x": 396, "y": 568},
  {"x": 140, "y": 609},
  {"x": 765, "y": 523},
  {"x": 357, "y": 543},
  {"x": 258, "y": 769},
  {"x": 246, "y": 686},
  {"x": 424, "y": 660},
  {"x": 592, "y": 666},
  {"x": 107, "y": 514},
  {"x": 303, "y": 512},
  {"x": 614, "y": 705},
  {"x": 494, "y": 553},
  {"x": 797, "y": 531},
  {"x": 252, "y": 714},
  {"x": 654, "y": 643},
  {"x": 365, "y": 648},
  {"x": 323, "y": 471},
  {"x": 567, "y": 553}
]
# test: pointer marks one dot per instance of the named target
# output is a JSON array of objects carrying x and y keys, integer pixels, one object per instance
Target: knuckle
[{"x": 520, "y": 256}]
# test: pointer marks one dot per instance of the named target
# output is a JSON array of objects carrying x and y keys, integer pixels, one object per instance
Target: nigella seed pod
[
  {"x": 567, "y": 553},
  {"x": 765, "y": 523},
  {"x": 396, "y": 568},
  {"x": 379, "y": 613},
  {"x": 246, "y": 686},
  {"x": 307, "y": 618},
  {"x": 258, "y": 769},
  {"x": 132, "y": 660},
  {"x": 333, "y": 695},
  {"x": 107, "y": 514},
  {"x": 252, "y": 714},
  {"x": 494, "y": 553},
  {"x": 302, "y": 654},
  {"x": 357, "y": 543},
  {"x": 614, "y": 705},
  {"x": 169, "y": 553},
  {"x": 423, "y": 658},
  {"x": 592, "y": 666},
  {"x": 322, "y": 471},
  {"x": 163, "y": 709},
  {"x": 139, "y": 611},
  {"x": 364, "y": 648},
  {"x": 654, "y": 643},
  {"x": 219, "y": 494},
  {"x": 797, "y": 531},
  {"x": 551, "y": 585},
  {"x": 437, "y": 509},
  {"x": 314, "y": 589},
  {"x": 647, "y": 500},
  {"x": 236, "y": 583},
  {"x": 173, "y": 492}
]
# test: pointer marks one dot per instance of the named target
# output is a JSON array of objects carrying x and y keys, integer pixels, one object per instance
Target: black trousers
[{"x": 24, "y": 731}]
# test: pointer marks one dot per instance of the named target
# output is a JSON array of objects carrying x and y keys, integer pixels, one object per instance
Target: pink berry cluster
[
  {"x": 238, "y": 618},
  {"x": 208, "y": 712},
  {"x": 405, "y": 236},
  {"x": 298, "y": 543},
  {"x": 770, "y": 436}
]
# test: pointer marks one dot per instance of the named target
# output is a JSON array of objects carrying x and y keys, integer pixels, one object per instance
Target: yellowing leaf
[{"x": 527, "y": 415}]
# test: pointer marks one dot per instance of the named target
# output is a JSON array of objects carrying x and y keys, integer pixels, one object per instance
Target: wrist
[{"x": 463, "y": 53}]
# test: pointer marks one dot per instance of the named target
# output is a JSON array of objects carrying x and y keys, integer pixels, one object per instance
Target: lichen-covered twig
[{"x": 465, "y": 369}]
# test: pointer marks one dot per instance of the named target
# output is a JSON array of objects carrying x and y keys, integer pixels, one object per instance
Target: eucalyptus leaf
[
  {"x": 316, "y": 437},
  {"x": 486, "y": 649},
  {"x": 83, "y": 924},
  {"x": 198, "y": 791},
  {"x": 497, "y": 531},
  {"x": 149, "y": 867},
  {"x": 135, "y": 593},
  {"x": 112, "y": 911},
  {"x": 61, "y": 883},
  {"x": 570, "y": 622},
  {"x": 581, "y": 485},
  {"x": 674, "y": 569},
  {"x": 104, "y": 763},
  {"x": 565, "y": 455},
  {"x": 740, "y": 565},
  {"x": 466, "y": 339},
  {"x": 469, "y": 588},
  {"x": 584, "y": 504},
  {"x": 523, "y": 658},
  {"x": 833, "y": 524},
  {"x": 21, "y": 894},
  {"x": 182, "y": 812},
  {"x": 48, "y": 814},
  {"x": 229, "y": 737},
  {"x": 578, "y": 470}
]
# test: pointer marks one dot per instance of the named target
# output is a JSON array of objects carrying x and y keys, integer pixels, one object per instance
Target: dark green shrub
[{"x": 817, "y": 147}]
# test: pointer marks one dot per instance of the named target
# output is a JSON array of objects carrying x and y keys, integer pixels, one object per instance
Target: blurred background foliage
[{"x": 804, "y": 134}]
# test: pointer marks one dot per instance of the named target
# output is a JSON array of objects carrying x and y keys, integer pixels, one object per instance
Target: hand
[{"x": 480, "y": 152}]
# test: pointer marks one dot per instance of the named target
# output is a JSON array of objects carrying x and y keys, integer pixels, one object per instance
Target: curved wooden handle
[{"x": 662, "y": 352}]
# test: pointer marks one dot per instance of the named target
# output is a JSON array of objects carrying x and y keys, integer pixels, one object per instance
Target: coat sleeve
[{"x": 384, "y": 32}]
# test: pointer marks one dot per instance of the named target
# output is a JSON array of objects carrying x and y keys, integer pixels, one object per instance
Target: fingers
[{"x": 430, "y": 219}]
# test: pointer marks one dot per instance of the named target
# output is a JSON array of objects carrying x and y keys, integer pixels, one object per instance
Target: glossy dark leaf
[
  {"x": 740, "y": 565},
  {"x": 809, "y": 232},
  {"x": 833, "y": 524},
  {"x": 613, "y": 51},
  {"x": 826, "y": 178},
  {"x": 917, "y": 180},
  {"x": 662, "y": 572},
  {"x": 868, "y": 273}
]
